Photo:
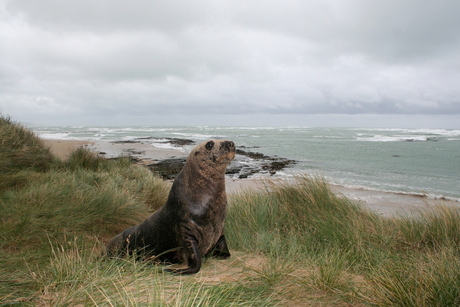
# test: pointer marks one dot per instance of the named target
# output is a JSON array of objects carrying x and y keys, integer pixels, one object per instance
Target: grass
[
  {"x": 293, "y": 244},
  {"x": 350, "y": 254},
  {"x": 21, "y": 152}
]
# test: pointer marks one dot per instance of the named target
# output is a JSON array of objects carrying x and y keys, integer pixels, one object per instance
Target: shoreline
[{"x": 384, "y": 203}]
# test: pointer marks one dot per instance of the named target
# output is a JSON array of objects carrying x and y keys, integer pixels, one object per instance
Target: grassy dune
[{"x": 293, "y": 244}]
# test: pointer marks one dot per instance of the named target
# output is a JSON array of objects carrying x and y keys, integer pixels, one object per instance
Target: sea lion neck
[{"x": 198, "y": 177}]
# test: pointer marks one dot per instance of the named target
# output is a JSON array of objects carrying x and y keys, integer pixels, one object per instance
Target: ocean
[{"x": 409, "y": 161}]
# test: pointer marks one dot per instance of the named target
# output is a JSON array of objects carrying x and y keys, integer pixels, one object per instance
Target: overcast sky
[{"x": 393, "y": 63}]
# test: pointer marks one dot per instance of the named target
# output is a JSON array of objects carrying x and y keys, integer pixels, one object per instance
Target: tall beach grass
[{"x": 348, "y": 252}]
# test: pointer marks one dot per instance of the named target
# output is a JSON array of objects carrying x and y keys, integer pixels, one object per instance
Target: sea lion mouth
[{"x": 224, "y": 158}]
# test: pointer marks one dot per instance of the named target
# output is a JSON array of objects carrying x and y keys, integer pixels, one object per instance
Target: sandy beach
[
  {"x": 63, "y": 148},
  {"x": 385, "y": 203}
]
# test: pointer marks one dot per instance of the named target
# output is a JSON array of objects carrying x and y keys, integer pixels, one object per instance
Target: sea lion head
[{"x": 213, "y": 154}]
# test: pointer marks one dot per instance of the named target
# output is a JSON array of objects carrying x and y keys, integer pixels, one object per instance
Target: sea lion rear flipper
[
  {"x": 193, "y": 261},
  {"x": 220, "y": 250}
]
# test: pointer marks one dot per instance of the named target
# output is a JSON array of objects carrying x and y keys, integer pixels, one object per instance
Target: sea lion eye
[{"x": 209, "y": 145}]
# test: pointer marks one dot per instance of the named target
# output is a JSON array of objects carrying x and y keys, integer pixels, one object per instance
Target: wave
[
  {"x": 416, "y": 131},
  {"x": 392, "y": 189},
  {"x": 398, "y": 138},
  {"x": 196, "y": 136},
  {"x": 167, "y": 145},
  {"x": 57, "y": 136}
]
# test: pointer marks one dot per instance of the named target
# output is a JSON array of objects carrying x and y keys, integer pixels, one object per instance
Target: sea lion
[{"x": 190, "y": 225}]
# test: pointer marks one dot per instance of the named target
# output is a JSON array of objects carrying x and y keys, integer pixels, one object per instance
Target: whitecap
[
  {"x": 396, "y": 138},
  {"x": 56, "y": 136}
]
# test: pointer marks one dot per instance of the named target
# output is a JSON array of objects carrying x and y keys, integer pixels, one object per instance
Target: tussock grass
[
  {"x": 77, "y": 203},
  {"x": 83, "y": 277},
  {"x": 21, "y": 151},
  {"x": 305, "y": 215},
  {"x": 347, "y": 252},
  {"x": 431, "y": 279},
  {"x": 293, "y": 244},
  {"x": 434, "y": 228}
]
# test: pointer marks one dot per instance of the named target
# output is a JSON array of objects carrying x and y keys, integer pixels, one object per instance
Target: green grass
[
  {"x": 21, "y": 149},
  {"x": 292, "y": 244},
  {"x": 350, "y": 253},
  {"x": 20, "y": 152}
]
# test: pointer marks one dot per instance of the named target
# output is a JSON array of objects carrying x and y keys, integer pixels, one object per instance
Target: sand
[
  {"x": 385, "y": 203},
  {"x": 63, "y": 148}
]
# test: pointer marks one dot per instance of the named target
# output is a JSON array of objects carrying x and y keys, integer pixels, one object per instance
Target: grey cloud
[
  {"x": 392, "y": 30},
  {"x": 229, "y": 57},
  {"x": 107, "y": 16}
]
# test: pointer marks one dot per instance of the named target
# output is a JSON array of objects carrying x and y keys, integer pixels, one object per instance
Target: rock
[
  {"x": 267, "y": 163},
  {"x": 134, "y": 152},
  {"x": 168, "y": 168},
  {"x": 252, "y": 155},
  {"x": 243, "y": 166},
  {"x": 173, "y": 141},
  {"x": 125, "y": 142}
]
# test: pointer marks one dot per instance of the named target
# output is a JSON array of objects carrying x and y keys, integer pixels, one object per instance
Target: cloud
[{"x": 148, "y": 58}]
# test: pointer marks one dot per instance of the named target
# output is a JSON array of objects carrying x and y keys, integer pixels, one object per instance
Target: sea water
[{"x": 412, "y": 161}]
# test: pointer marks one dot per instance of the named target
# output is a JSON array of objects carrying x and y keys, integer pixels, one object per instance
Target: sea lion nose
[{"x": 229, "y": 145}]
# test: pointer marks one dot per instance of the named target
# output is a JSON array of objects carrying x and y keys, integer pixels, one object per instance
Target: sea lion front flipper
[
  {"x": 193, "y": 261},
  {"x": 220, "y": 250}
]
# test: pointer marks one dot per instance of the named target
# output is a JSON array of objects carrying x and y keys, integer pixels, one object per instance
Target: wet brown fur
[{"x": 190, "y": 224}]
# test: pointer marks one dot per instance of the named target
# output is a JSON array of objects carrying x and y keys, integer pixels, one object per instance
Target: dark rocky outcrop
[
  {"x": 125, "y": 142},
  {"x": 262, "y": 164},
  {"x": 168, "y": 168},
  {"x": 173, "y": 141},
  {"x": 244, "y": 165}
]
